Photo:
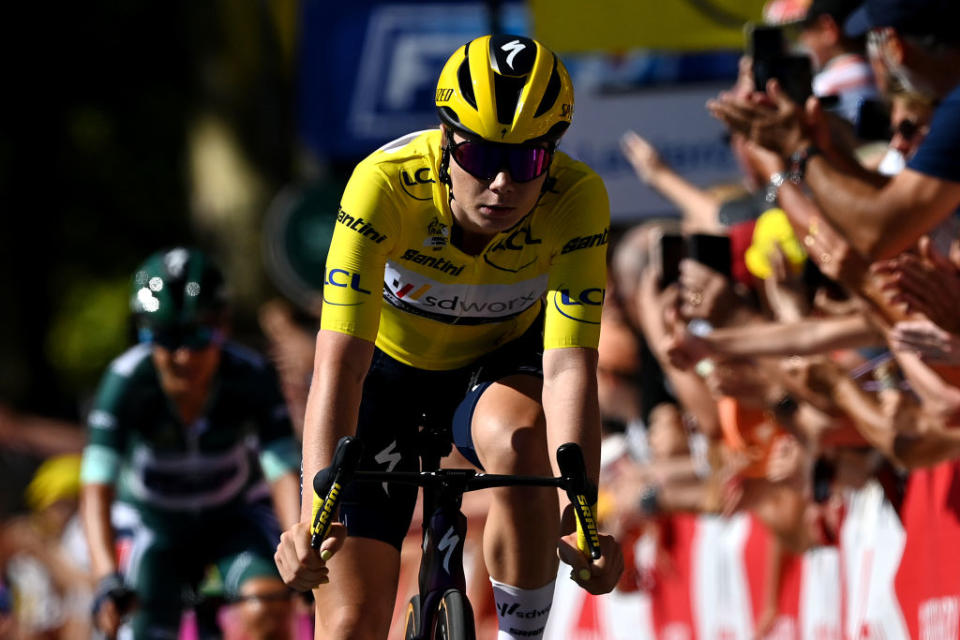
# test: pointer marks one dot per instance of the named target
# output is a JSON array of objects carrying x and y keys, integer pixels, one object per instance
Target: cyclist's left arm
[
  {"x": 578, "y": 236},
  {"x": 574, "y": 300}
]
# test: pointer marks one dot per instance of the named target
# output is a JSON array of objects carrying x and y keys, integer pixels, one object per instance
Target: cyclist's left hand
[{"x": 604, "y": 572}]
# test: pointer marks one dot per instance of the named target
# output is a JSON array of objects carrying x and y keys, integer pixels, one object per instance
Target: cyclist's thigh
[
  {"x": 387, "y": 426},
  {"x": 240, "y": 541},
  {"x": 500, "y": 416},
  {"x": 160, "y": 566},
  {"x": 358, "y": 601}
]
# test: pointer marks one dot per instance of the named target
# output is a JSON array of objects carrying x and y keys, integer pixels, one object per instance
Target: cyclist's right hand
[
  {"x": 302, "y": 567},
  {"x": 111, "y": 601}
]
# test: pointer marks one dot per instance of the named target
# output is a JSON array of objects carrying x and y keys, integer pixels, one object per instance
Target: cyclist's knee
[
  {"x": 510, "y": 444},
  {"x": 353, "y": 623}
]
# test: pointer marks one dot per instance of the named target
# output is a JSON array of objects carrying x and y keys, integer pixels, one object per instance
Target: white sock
[{"x": 522, "y": 613}]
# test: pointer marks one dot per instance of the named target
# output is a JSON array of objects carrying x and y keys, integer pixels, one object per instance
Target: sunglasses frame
[{"x": 453, "y": 145}]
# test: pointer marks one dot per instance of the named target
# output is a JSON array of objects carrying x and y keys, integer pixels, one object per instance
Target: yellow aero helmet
[{"x": 506, "y": 89}]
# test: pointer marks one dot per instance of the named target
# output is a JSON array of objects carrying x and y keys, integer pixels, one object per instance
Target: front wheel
[
  {"x": 454, "y": 620},
  {"x": 411, "y": 620}
]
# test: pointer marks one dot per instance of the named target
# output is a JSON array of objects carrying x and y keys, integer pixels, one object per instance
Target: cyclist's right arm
[
  {"x": 100, "y": 469},
  {"x": 102, "y": 456},
  {"x": 340, "y": 365},
  {"x": 367, "y": 230}
]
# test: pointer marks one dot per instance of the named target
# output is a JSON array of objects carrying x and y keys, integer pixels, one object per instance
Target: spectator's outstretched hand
[
  {"x": 927, "y": 339},
  {"x": 642, "y": 155},
  {"x": 925, "y": 284},
  {"x": 812, "y": 378},
  {"x": 704, "y": 293},
  {"x": 785, "y": 291},
  {"x": 772, "y": 119},
  {"x": 835, "y": 257}
]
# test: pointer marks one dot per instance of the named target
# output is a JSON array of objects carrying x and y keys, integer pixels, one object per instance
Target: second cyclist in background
[{"x": 184, "y": 429}]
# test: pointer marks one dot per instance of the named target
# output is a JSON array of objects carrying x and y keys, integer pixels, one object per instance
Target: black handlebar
[{"x": 328, "y": 484}]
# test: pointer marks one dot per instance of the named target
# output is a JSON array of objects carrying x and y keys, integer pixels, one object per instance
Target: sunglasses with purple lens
[{"x": 484, "y": 160}]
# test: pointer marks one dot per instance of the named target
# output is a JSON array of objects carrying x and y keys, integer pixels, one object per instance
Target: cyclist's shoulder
[
  {"x": 244, "y": 359},
  {"x": 130, "y": 375},
  {"x": 576, "y": 194},
  {"x": 402, "y": 174},
  {"x": 569, "y": 173},
  {"x": 416, "y": 151},
  {"x": 244, "y": 366},
  {"x": 132, "y": 365}
]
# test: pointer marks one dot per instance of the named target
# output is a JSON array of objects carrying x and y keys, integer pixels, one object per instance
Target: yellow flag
[{"x": 619, "y": 25}]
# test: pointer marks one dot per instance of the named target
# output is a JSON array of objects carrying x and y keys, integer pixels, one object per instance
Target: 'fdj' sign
[{"x": 386, "y": 80}]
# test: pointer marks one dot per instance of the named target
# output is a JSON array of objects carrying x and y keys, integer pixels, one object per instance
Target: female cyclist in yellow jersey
[{"x": 464, "y": 285}]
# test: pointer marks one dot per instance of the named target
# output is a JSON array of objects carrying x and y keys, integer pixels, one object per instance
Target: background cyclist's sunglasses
[
  {"x": 484, "y": 160},
  {"x": 193, "y": 337}
]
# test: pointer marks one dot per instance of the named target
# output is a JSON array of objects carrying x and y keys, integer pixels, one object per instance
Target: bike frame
[{"x": 444, "y": 525}]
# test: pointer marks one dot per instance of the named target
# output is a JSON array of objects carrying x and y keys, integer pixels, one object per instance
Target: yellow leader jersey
[{"x": 439, "y": 308}]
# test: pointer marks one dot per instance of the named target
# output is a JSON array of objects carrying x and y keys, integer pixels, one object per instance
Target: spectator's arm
[
  {"x": 806, "y": 337},
  {"x": 940, "y": 400},
  {"x": 877, "y": 221},
  {"x": 904, "y": 433},
  {"x": 699, "y": 207},
  {"x": 688, "y": 387}
]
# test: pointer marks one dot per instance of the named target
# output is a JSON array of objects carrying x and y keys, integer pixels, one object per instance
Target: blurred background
[{"x": 233, "y": 126}]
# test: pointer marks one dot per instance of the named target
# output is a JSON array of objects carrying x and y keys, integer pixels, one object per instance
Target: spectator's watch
[
  {"x": 776, "y": 181},
  {"x": 799, "y": 160}
]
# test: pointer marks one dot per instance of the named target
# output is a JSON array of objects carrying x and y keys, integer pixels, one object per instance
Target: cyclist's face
[
  {"x": 487, "y": 207},
  {"x": 183, "y": 370}
]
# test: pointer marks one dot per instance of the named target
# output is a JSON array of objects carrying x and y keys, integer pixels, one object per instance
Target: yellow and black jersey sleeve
[
  {"x": 577, "y": 283},
  {"x": 367, "y": 230}
]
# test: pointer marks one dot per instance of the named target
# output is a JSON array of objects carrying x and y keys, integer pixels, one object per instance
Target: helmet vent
[
  {"x": 466, "y": 85},
  {"x": 507, "y": 90},
  {"x": 550, "y": 93}
]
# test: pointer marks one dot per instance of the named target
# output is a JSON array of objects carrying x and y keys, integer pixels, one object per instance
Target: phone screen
[
  {"x": 671, "y": 250},
  {"x": 873, "y": 122},
  {"x": 712, "y": 251},
  {"x": 766, "y": 42},
  {"x": 765, "y": 46}
]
